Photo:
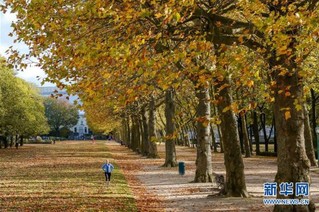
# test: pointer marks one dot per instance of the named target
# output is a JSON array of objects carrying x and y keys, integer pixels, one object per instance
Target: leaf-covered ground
[
  {"x": 66, "y": 176},
  {"x": 176, "y": 193}
]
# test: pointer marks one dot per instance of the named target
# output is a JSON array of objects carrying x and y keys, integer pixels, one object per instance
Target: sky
[{"x": 31, "y": 73}]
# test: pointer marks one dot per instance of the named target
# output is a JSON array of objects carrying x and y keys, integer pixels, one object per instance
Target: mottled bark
[
  {"x": 135, "y": 134},
  {"x": 220, "y": 135},
  {"x": 152, "y": 130},
  {"x": 128, "y": 132},
  {"x": 187, "y": 140},
  {"x": 145, "y": 137},
  {"x": 263, "y": 126},
  {"x": 245, "y": 135},
  {"x": 204, "y": 169},
  {"x": 293, "y": 164},
  {"x": 170, "y": 156},
  {"x": 235, "y": 184},
  {"x": 256, "y": 132},
  {"x": 214, "y": 147},
  {"x": 314, "y": 117},
  {"x": 240, "y": 135},
  {"x": 5, "y": 142},
  {"x": 308, "y": 139},
  {"x": 11, "y": 141}
]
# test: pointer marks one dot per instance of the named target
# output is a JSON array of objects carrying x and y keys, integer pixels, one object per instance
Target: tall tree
[
  {"x": 170, "y": 151},
  {"x": 22, "y": 110},
  {"x": 60, "y": 113}
]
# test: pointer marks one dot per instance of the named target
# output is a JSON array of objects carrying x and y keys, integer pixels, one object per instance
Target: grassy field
[{"x": 66, "y": 176}]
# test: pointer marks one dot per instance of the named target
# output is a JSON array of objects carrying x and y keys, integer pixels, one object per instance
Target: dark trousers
[{"x": 107, "y": 176}]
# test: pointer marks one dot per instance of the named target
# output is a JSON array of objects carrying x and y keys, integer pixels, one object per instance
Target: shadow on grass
[{"x": 66, "y": 177}]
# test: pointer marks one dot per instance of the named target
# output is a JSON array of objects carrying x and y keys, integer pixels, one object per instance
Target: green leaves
[
  {"x": 21, "y": 107},
  {"x": 60, "y": 114}
]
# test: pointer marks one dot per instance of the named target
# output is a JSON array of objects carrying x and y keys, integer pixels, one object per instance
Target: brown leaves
[{"x": 62, "y": 177}]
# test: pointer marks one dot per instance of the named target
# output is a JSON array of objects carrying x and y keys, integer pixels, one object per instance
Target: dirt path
[{"x": 163, "y": 189}]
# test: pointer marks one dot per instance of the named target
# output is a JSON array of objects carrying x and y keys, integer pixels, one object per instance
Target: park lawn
[{"x": 66, "y": 176}]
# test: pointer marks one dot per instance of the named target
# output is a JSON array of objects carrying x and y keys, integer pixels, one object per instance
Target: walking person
[
  {"x": 92, "y": 138},
  {"x": 107, "y": 168}
]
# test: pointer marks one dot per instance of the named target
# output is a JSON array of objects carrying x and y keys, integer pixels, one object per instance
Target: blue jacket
[{"x": 107, "y": 167}]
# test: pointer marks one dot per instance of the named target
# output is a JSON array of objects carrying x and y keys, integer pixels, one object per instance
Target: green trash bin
[{"x": 181, "y": 168}]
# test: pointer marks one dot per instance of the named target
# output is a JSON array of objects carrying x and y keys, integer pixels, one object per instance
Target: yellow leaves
[
  {"x": 165, "y": 86},
  {"x": 283, "y": 72},
  {"x": 205, "y": 123},
  {"x": 252, "y": 105},
  {"x": 298, "y": 104},
  {"x": 215, "y": 120},
  {"x": 220, "y": 78},
  {"x": 154, "y": 139},
  {"x": 298, "y": 107},
  {"x": 204, "y": 120},
  {"x": 233, "y": 107},
  {"x": 250, "y": 83},
  {"x": 226, "y": 109},
  {"x": 130, "y": 91},
  {"x": 177, "y": 17},
  {"x": 282, "y": 50},
  {"x": 159, "y": 15},
  {"x": 241, "y": 39},
  {"x": 223, "y": 87},
  {"x": 287, "y": 115},
  {"x": 171, "y": 136}
]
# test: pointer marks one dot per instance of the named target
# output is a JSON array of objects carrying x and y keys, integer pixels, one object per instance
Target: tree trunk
[
  {"x": 250, "y": 135},
  {"x": 21, "y": 140},
  {"x": 308, "y": 139},
  {"x": 5, "y": 141},
  {"x": 204, "y": 168},
  {"x": 263, "y": 126},
  {"x": 245, "y": 135},
  {"x": 293, "y": 164},
  {"x": 187, "y": 141},
  {"x": 275, "y": 136},
  {"x": 240, "y": 134},
  {"x": 214, "y": 113},
  {"x": 221, "y": 139},
  {"x": 235, "y": 184},
  {"x": 313, "y": 118},
  {"x": 11, "y": 141},
  {"x": 170, "y": 159},
  {"x": 145, "y": 137},
  {"x": 135, "y": 133},
  {"x": 213, "y": 138},
  {"x": 128, "y": 128},
  {"x": 152, "y": 129}
]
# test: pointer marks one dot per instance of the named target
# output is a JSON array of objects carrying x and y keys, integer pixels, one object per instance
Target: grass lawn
[{"x": 66, "y": 176}]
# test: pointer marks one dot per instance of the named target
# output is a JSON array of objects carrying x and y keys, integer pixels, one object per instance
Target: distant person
[
  {"x": 17, "y": 145},
  {"x": 107, "y": 168},
  {"x": 92, "y": 138}
]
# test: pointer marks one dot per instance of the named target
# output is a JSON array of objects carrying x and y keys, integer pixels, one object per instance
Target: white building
[{"x": 81, "y": 128}]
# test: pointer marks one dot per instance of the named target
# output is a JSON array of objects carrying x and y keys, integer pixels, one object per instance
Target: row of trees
[
  {"x": 21, "y": 108},
  {"x": 123, "y": 57},
  {"x": 61, "y": 116},
  {"x": 24, "y": 113}
]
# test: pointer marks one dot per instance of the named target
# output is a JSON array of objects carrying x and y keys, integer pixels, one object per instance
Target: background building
[{"x": 81, "y": 129}]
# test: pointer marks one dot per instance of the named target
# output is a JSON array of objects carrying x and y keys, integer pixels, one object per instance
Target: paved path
[{"x": 163, "y": 189}]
